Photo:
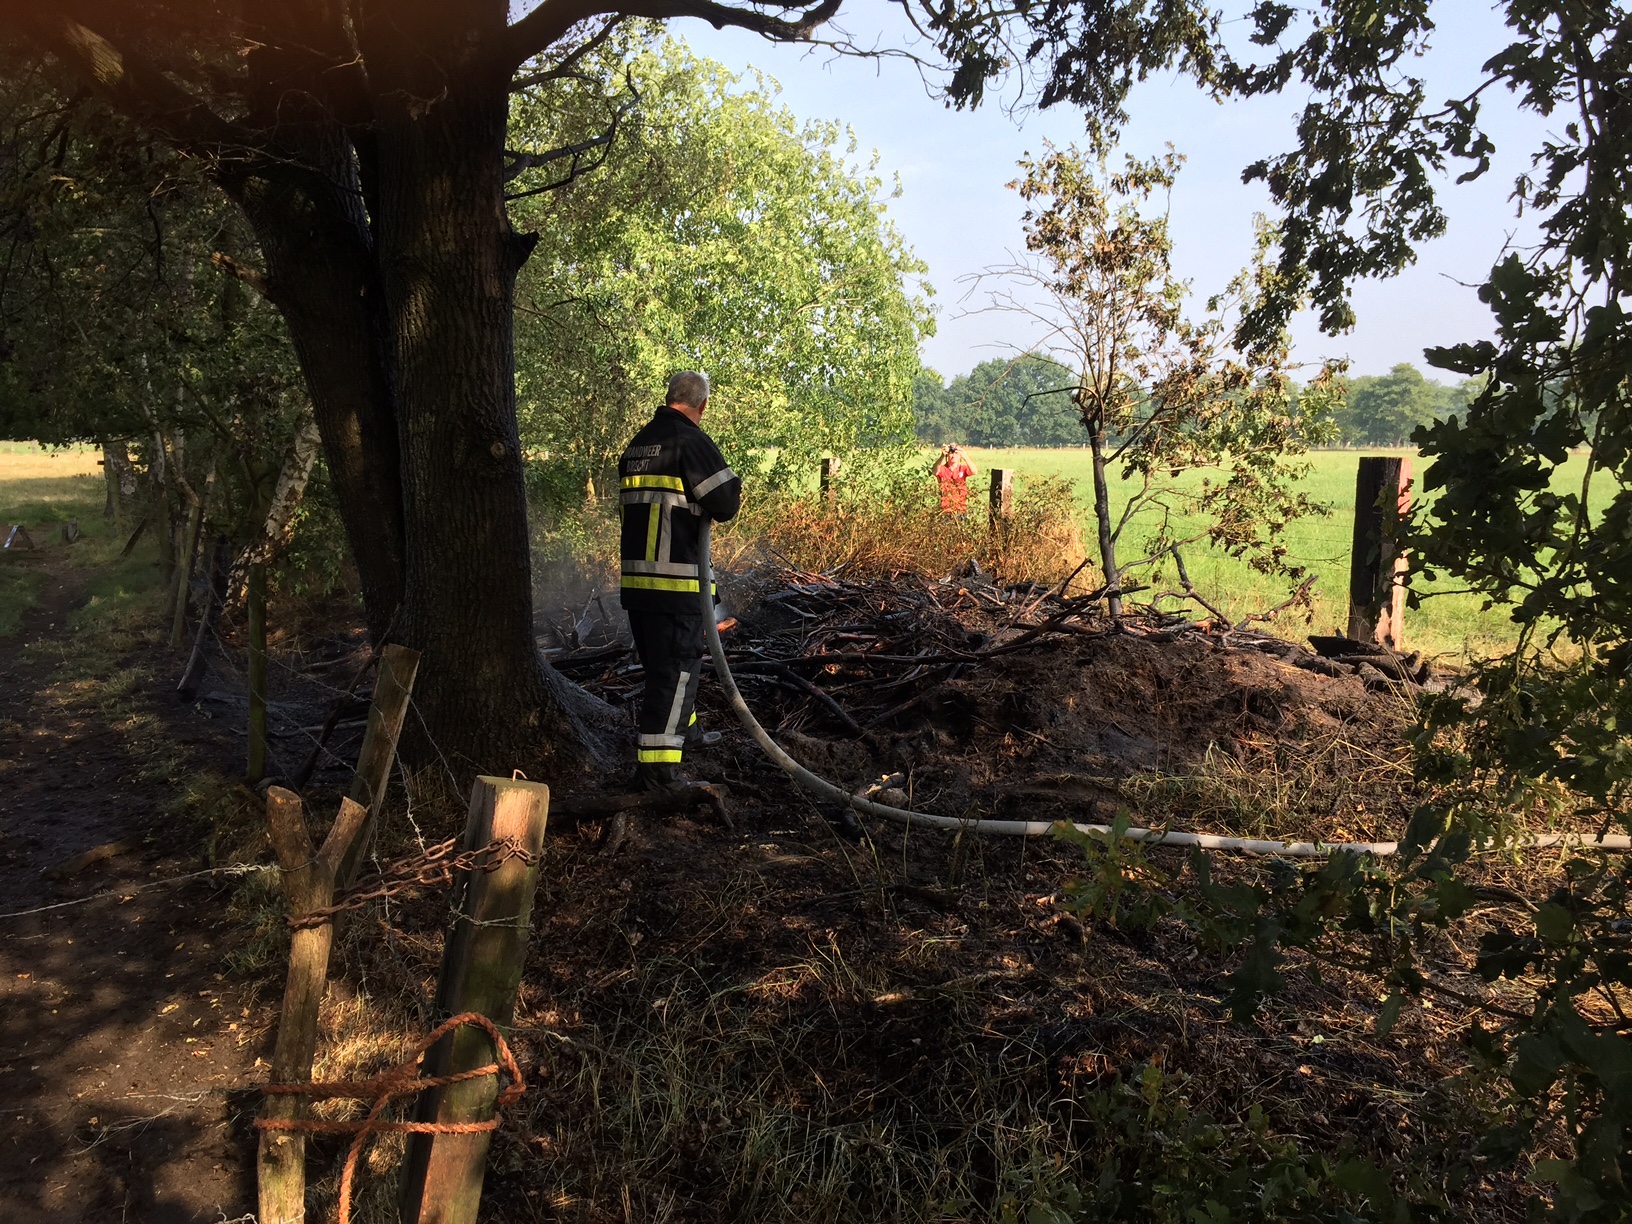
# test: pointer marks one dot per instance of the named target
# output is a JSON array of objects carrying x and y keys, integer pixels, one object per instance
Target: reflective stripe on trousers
[{"x": 671, "y": 650}]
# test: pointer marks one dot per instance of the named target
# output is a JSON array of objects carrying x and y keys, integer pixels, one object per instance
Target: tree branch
[
  {"x": 528, "y": 161},
  {"x": 570, "y": 60},
  {"x": 531, "y": 161},
  {"x": 242, "y": 273},
  {"x": 549, "y": 22},
  {"x": 133, "y": 85}
]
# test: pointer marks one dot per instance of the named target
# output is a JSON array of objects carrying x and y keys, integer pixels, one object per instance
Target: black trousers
[{"x": 671, "y": 650}]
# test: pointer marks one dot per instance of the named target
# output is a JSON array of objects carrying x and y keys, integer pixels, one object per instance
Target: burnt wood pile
[{"x": 823, "y": 655}]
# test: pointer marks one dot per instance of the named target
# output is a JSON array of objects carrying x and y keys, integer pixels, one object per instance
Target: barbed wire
[
  {"x": 435, "y": 865},
  {"x": 408, "y": 802},
  {"x": 237, "y": 869},
  {"x": 289, "y": 727},
  {"x": 453, "y": 779}
]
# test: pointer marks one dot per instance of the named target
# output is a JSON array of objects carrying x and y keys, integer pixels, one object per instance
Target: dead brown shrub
[{"x": 1040, "y": 541}]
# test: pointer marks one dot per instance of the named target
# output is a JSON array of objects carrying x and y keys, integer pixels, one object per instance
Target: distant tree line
[
  {"x": 1023, "y": 402},
  {"x": 1384, "y": 409},
  {"x": 1026, "y": 402}
]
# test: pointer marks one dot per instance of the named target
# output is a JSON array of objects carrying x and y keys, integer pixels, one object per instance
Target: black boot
[
  {"x": 660, "y": 777},
  {"x": 696, "y": 737}
]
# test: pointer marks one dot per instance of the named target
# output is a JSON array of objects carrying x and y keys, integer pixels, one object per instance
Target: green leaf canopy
[{"x": 720, "y": 235}]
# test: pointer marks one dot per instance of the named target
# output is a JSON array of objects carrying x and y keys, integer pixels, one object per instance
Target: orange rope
[{"x": 402, "y": 1080}]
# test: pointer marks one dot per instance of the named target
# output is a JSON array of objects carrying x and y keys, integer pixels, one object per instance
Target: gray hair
[{"x": 689, "y": 388}]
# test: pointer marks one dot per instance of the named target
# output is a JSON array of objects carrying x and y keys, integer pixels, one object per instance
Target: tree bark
[
  {"x": 364, "y": 145},
  {"x": 321, "y": 277},
  {"x": 160, "y": 482},
  {"x": 208, "y": 622},
  {"x": 186, "y": 556},
  {"x": 256, "y": 766},
  {"x": 277, "y": 523},
  {"x": 448, "y": 259},
  {"x": 121, "y": 478},
  {"x": 1102, "y": 516}
]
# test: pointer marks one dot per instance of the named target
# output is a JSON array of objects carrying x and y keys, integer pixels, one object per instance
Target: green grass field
[
  {"x": 41, "y": 489},
  {"x": 1454, "y": 624}
]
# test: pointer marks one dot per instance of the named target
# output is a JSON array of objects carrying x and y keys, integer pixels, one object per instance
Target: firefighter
[
  {"x": 671, "y": 475},
  {"x": 953, "y": 473}
]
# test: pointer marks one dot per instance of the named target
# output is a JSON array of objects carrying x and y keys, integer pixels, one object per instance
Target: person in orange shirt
[{"x": 953, "y": 473}]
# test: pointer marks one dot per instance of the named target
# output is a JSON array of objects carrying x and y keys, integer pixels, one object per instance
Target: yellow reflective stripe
[
  {"x": 693, "y": 721},
  {"x": 644, "y": 582},
  {"x": 654, "y": 517},
  {"x": 654, "y": 482},
  {"x": 658, "y": 756}
]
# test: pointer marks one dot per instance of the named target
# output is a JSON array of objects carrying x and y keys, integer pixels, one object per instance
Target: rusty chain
[
  {"x": 430, "y": 867},
  {"x": 402, "y": 1080}
]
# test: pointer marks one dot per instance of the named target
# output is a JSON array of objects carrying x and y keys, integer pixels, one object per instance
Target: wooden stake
[
  {"x": 481, "y": 969},
  {"x": 1377, "y": 566},
  {"x": 1002, "y": 493},
  {"x": 393, "y": 684},
  {"x": 186, "y": 558},
  {"x": 308, "y": 882},
  {"x": 257, "y": 672},
  {"x": 130, "y": 544},
  {"x": 187, "y": 688}
]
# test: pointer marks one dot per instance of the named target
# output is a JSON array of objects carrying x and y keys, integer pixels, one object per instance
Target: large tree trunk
[
  {"x": 320, "y": 275},
  {"x": 448, "y": 260},
  {"x": 368, "y": 158}
]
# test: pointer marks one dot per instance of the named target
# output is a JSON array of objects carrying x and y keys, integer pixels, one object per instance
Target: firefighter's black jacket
[{"x": 671, "y": 475}]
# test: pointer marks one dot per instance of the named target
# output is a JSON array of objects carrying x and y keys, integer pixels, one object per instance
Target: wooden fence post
[
  {"x": 481, "y": 969},
  {"x": 1002, "y": 493},
  {"x": 256, "y": 607},
  {"x": 830, "y": 484},
  {"x": 187, "y": 687},
  {"x": 189, "y": 551},
  {"x": 308, "y": 882},
  {"x": 1377, "y": 566},
  {"x": 393, "y": 684},
  {"x": 311, "y": 881}
]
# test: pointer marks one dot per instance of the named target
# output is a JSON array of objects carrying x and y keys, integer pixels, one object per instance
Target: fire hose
[{"x": 1035, "y": 828}]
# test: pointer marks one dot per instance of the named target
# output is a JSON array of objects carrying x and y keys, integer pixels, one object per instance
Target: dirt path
[{"x": 119, "y": 1035}]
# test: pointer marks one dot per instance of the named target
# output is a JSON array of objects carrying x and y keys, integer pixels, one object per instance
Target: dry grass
[
  {"x": 767, "y": 1027},
  {"x": 575, "y": 555},
  {"x": 764, "y": 1029},
  {"x": 40, "y": 489},
  {"x": 861, "y": 538},
  {"x": 1347, "y": 780},
  {"x": 31, "y": 461}
]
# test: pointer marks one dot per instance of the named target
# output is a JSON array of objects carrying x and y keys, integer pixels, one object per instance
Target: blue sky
[{"x": 957, "y": 214}]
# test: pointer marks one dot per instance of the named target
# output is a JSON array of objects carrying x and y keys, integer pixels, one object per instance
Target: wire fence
[{"x": 390, "y": 871}]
